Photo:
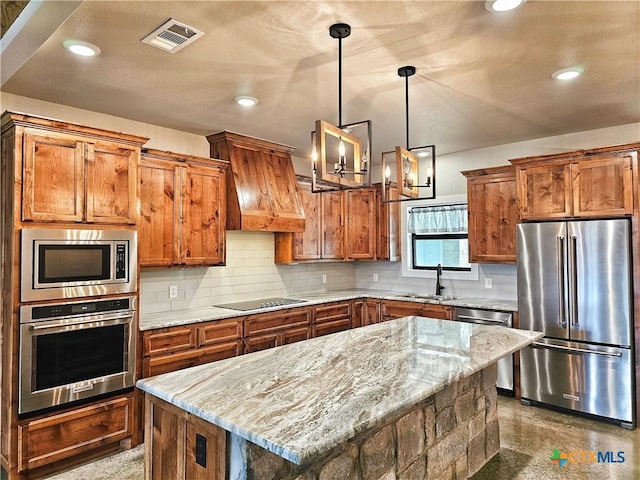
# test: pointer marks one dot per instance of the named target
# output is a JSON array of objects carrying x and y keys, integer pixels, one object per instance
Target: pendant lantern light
[
  {"x": 341, "y": 154},
  {"x": 415, "y": 168}
]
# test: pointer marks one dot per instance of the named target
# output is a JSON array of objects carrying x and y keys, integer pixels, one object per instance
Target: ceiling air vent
[{"x": 172, "y": 36}]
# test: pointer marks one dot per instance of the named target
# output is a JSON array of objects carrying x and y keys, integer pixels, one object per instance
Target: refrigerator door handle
[
  {"x": 573, "y": 281},
  {"x": 562, "y": 321},
  {"x": 572, "y": 349}
]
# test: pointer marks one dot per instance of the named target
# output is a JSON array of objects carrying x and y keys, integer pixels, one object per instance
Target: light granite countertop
[
  {"x": 184, "y": 317},
  {"x": 301, "y": 400}
]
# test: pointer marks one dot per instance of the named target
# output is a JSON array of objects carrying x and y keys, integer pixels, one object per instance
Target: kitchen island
[{"x": 413, "y": 397}]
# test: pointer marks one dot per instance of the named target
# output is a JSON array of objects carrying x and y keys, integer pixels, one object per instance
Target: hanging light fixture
[
  {"x": 415, "y": 168},
  {"x": 340, "y": 157}
]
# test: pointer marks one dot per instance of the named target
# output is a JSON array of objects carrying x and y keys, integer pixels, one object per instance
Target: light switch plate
[
  {"x": 173, "y": 291},
  {"x": 488, "y": 282}
]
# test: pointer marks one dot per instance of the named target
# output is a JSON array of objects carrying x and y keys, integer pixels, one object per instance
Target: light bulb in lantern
[
  {"x": 314, "y": 160},
  {"x": 429, "y": 173},
  {"x": 341, "y": 153}
]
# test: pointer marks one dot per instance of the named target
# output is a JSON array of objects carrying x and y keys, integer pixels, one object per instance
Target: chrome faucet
[{"x": 439, "y": 286}]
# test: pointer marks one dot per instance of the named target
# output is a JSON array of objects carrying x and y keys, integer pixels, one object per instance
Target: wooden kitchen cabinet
[
  {"x": 493, "y": 214},
  {"x": 323, "y": 235},
  {"x": 371, "y": 312},
  {"x": 268, "y": 330},
  {"x": 596, "y": 183},
  {"x": 391, "y": 309},
  {"x": 174, "y": 348},
  {"x": 341, "y": 225},
  {"x": 84, "y": 176},
  {"x": 331, "y": 317},
  {"x": 360, "y": 228},
  {"x": 182, "y": 206},
  {"x": 170, "y": 447},
  {"x": 55, "y": 437}
]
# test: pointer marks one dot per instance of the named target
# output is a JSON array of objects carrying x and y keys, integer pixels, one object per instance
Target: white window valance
[{"x": 438, "y": 219}]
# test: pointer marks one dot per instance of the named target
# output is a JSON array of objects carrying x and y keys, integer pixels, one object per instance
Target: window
[{"x": 439, "y": 236}]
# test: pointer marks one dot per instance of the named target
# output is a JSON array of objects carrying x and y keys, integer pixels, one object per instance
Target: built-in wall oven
[
  {"x": 75, "y": 350},
  {"x": 66, "y": 263}
]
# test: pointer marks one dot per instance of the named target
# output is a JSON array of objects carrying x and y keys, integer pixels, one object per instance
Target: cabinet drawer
[
  {"x": 56, "y": 437},
  {"x": 217, "y": 332},
  {"x": 177, "y": 361},
  {"x": 332, "y": 312},
  {"x": 168, "y": 340},
  {"x": 260, "y": 342},
  {"x": 326, "y": 328},
  {"x": 270, "y": 322},
  {"x": 442, "y": 312}
]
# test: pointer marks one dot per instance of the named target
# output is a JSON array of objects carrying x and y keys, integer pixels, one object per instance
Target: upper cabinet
[
  {"x": 360, "y": 229},
  {"x": 342, "y": 225},
  {"x": 74, "y": 174},
  {"x": 596, "y": 183},
  {"x": 493, "y": 214},
  {"x": 261, "y": 191},
  {"x": 182, "y": 210}
]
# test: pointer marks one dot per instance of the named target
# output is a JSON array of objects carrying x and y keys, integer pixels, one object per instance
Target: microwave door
[{"x": 599, "y": 260}]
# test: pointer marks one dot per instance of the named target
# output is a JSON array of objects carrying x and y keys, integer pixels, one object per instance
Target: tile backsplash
[{"x": 250, "y": 273}]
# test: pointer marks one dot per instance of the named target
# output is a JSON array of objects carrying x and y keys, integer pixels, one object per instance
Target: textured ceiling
[{"x": 482, "y": 78}]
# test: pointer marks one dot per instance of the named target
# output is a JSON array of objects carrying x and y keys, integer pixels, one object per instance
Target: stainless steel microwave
[{"x": 58, "y": 264}]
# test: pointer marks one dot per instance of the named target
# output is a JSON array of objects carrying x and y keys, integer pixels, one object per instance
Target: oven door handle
[{"x": 112, "y": 319}]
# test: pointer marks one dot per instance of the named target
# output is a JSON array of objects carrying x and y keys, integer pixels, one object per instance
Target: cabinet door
[
  {"x": 202, "y": 216},
  {"x": 388, "y": 224},
  {"x": 158, "y": 229},
  {"x": 360, "y": 230},
  {"x": 332, "y": 213},
  {"x": 603, "y": 186},
  {"x": 307, "y": 244},
  {"x": 493, "y": 216},
  {"x": 260, "y": 342},
  {"x": 53, "y": 177},
  {"x": 111, "y": 176},
  {"x": 281, "y": 182},
  {"x": 371, "y": 313},
  {"x": 544, "y": 191}
]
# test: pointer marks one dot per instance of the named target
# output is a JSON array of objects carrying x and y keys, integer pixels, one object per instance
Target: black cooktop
[{"x": 260, "y": 303}]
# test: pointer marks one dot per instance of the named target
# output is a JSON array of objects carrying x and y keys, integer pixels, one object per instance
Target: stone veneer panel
[{"x": 449, "y": 436}]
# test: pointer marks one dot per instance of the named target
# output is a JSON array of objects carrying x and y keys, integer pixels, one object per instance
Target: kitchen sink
[{"x": 426, "y": 297}]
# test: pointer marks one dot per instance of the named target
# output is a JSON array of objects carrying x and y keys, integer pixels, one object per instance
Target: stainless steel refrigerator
[{"x": 575, "y": 285}]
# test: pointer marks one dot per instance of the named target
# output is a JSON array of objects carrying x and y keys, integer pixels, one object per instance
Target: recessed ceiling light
[
  {"x": 568, "y": 73},
  {"x": 84, "y": 49},
  {"x": 246, "y": 101},
  {"x": 502, "y": 5}
]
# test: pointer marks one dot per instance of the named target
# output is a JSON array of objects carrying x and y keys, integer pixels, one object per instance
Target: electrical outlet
[
  {"x": 324, "y": 278},
  {"x": 375, "y": 277},
  {"x": 488, "y": 282},
  {"x": 173, "y": 291},
  {"x": 201, "y": 450}
]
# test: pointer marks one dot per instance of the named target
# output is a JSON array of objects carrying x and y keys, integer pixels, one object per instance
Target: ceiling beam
[{"x": 35, "y": 24}]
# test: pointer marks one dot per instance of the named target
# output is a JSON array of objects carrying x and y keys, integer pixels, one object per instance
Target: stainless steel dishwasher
[{"x": 499, "y": 319}]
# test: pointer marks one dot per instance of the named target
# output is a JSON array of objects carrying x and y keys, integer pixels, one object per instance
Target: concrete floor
[{"x": 529, "y": 436}]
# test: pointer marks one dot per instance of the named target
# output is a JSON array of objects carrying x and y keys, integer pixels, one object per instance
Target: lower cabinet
[
  {"x": 55, "y": 437},
  {"x": 173, "y": 348},
  {"x": 268, "y": 330},
  {"x": 181, "y": 445},
  {"x": 392, "y": 309},
  {"x": 331, "y": 318}
]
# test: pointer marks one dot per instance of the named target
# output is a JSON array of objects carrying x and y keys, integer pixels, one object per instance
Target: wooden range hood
[{"x": 261, "y": 191}]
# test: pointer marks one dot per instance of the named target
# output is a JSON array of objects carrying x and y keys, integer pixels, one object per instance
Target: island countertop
[{"x": 301, "y": 400}]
